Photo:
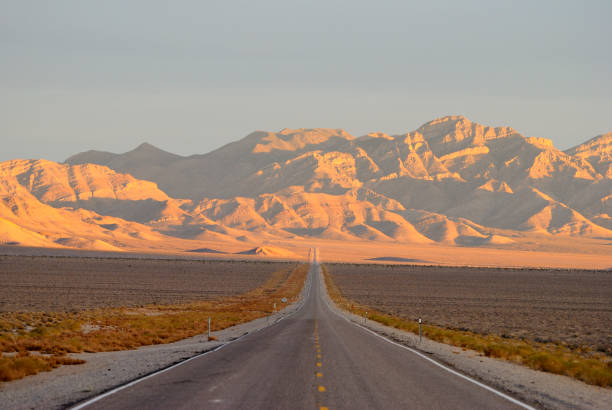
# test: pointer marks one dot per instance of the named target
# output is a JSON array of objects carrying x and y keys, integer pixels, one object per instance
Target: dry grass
[
  {"x": 53, "y": 335},
  {"x": 583, "y": 364},
  {"x": 24, "y": 364}
]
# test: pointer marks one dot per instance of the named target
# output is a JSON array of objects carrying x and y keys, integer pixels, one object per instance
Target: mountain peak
[
  {"x": 145, "y": 145},
  {"x": 598, "y": 152},
  {"x": 598, "y": 142},
  {"x": 456, "y": 132},
  {"x": 297, "y": 139},
  {"x": 150, "y": 150},
  {"x": 319, "y": 131},
  {"x": 454, "y": 119}
]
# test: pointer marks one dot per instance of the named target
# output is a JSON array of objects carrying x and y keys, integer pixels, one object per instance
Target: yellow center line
[{"x": 320, "y": 388}]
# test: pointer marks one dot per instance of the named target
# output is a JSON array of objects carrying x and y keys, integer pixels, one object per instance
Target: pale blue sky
[{"x": 190, "y": 76}]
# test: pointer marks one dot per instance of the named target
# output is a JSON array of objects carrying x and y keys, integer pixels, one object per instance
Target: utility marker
[{"x": 420, "y": 332}]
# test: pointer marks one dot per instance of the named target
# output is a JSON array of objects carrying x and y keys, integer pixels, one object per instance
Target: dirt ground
[
  {"x": 567, "y": 306},
  {"x": 60, "y": 283}
]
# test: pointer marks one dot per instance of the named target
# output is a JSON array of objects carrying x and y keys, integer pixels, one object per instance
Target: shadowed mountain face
[{"x": 450, "y": 181}]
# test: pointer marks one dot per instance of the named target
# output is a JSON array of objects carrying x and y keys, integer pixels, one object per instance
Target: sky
[{"x": 191, "y": 76}]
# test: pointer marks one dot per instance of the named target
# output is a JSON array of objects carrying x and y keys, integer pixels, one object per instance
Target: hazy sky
[{"x": 190, "y": 76}]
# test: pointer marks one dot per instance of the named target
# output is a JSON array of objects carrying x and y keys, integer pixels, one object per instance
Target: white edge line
[
  {"x": 148, "y": 376},
  {"x": 421, "y": 355}
]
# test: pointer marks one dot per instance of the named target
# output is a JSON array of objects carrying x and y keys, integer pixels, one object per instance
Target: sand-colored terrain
[
  {"x": 585, "y": 255},
  {"x": 565, "y": 255}
]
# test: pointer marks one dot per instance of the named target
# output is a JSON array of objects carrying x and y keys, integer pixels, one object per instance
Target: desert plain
[
  {"x": 73, "y": 283},
  {"x": 570, "y": 307}
]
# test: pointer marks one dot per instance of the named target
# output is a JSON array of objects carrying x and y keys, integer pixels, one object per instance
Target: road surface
[{"x": 314, "y": 359}]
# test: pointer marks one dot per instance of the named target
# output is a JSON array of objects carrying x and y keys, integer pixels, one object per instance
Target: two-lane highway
[{"x": 314, "y": 359}]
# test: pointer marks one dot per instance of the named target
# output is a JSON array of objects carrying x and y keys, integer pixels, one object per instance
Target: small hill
[
  {"x": 499, "y": 240},
  {"x": 13, "y": 234},
  {"x": 205, "y": 250},
  {"x": 480, "y": 241},
  {"x": 269, "y": 251},
  {"x": 81, "y": 243}
]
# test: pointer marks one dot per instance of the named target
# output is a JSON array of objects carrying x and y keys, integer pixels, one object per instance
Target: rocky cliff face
[{"x": 451, "y": 181}]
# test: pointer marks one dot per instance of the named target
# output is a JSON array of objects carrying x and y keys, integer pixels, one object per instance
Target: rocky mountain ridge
[{"x": 451, "y": 181}]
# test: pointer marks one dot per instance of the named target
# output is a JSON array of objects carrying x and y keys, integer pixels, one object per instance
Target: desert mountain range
[{"x": 450, "y": 181}]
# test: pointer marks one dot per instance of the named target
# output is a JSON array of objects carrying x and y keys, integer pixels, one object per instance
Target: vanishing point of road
[{"x": 314, "y": 359}]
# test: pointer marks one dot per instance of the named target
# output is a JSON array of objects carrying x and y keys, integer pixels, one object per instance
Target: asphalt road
[{"x": 313, "y": 359}]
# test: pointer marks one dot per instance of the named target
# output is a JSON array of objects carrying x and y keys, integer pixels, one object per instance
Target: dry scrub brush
[{"x": 53, "y": 335}]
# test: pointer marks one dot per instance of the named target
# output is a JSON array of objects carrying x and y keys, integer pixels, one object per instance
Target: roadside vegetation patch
[
  {"x": 582, "y": 363},
  {"x": 31, "y": 342}
]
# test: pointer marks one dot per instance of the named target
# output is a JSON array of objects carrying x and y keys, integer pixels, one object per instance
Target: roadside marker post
[
  {"x": 208, "y": 327},
  {"x": 420, "y": 333}
]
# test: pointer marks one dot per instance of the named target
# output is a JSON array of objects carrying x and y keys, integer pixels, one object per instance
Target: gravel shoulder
[
  {"x": 541, "y": 390},
  {"x": 69, "y": 385}
]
